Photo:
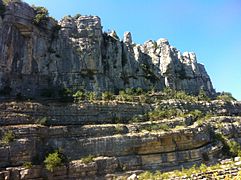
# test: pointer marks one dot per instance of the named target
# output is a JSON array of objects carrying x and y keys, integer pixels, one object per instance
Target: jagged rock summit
[{"x": 76, "y": 53}]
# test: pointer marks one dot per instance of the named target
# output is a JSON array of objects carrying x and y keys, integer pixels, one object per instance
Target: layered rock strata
[{"x": 116, "y": 147}]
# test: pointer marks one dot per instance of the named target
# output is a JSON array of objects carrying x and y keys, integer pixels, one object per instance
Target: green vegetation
[
  {"x": 139, "y": 118},
  {"x": 6, "y": 2},
  {"x": 27, "y": 165},
  {"x": 169, "y": 93},
  {"x": 131, "y": 95},
  {"x": 119, "y": 128},
  {"x": 170, "y": 113},
  {"x": 44, "y": 121},
  {"x": 234, "y": 148},
  {"x": 125, "y": 95},
  {"x": 226, "y": 96},
  {"x": 87, "y": 159},
  {"x": 107, "y": 96},
  {"x": 41, "y": 16},
  {"x": 230, "y": 147},
  {"x": 164, "y": 113},
  {"x": 79, "y": 95},
  {"x": 196, "y": 114},
  {"x": 156, "y": 127},
  {"x": 91, "y": 96},
  {"x": 77, "y": 16},
  {"x": 202, "y": 96},
  {"x": 8, "y": 137},
  {"x": 53, "y": 160},
  {"x": 187, "y": 173}
]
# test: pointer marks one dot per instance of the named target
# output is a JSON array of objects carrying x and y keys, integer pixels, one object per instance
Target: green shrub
[
  {"x": 183, "y": 96},
  {"x": 106, "y": 96},
  {"x": 156, "y": 127},
  {"x": 8, "y": 137},
  {"x": 163, "y": 114},
  {"x": 118, "y": 128},
  {"x": 44, "y": 121},
  {"x": 196, "y": 114},
  {"x": 123, "y": 96},
  {"x": 87, "y": 159},
  {"x": 27, "y": 165},
  {"x": 225, "y": 96},
  {"x": 169, "y": 93},
  {"x": 79, "y": 95},
  {"x": 91, "y": 96},
  {"x": 143, "y": 98},
  {"x": 234, "y": 148},
  {"x": 230, "y": 147},
  {"x": 6, "y": 2},
  {"x": 53, "y": 160},
  {"x": 203, "y": 168},
  {"x": 146, "y": 175},
  {"x": 77, "y": 16},
  {"x": 42, "y": 15},
  {"x": 139, "y": 118},
  {"x": 202, "y": 96},
  {"x": 139, "y": 91},
  {"x": 130, "y": 91}
]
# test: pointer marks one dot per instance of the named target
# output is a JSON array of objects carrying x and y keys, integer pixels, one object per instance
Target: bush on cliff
[
  {"x": 91, "y": 96},
  {"x": 230, "y": 147},
  {"x": 225, "y": 96},
  {"x": 41, "y": 16},
  {"x": 7, "y": 137},
  {"x": 27, "y": 165},
  {"x": 53, "y": 160},
  {"x": 106, "y": 96},
  {"x": 164, "y": 113},
  {"x": 79, "y": 96},
  {"x": 125, "y": 95},
  {"x": 202, "y": 96},
  {"x": 87, "y": 159}
]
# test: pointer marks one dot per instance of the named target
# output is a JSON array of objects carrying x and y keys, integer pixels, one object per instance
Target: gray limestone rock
[
  {"x": 127, "y": 38},
  {"x": 79, "y": 55}
]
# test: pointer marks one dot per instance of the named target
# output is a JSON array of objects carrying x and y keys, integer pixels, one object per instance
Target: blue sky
[{"x": 210, "y": 28}]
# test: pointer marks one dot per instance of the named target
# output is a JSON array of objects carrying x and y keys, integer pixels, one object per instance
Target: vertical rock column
[{"x": 27, "y": 63}]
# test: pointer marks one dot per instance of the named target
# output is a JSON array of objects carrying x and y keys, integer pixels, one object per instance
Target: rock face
[
  {"x": 81, "y": 56},
  {"x": 79, "y": 130}
]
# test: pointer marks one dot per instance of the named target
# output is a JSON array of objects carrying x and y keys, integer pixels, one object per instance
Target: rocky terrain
[
  {"x": 38, "y": 53},
  {"x": 116, "y": 145},
  {"x": 79, "y": 103}
]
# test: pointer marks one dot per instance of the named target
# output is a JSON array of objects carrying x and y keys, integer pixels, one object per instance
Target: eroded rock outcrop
[
  {"x": 79, "y": 130},
  {"x": 79, "y": 55}
]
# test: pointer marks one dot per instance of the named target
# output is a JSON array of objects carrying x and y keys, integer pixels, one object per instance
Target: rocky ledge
[{"x": 94, "y": 144}]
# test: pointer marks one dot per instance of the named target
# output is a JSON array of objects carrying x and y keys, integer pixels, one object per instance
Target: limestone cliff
[
  {"x": 77, "y": 54},
  {"x": 79, "y": 130}
]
